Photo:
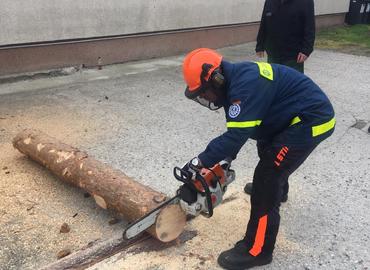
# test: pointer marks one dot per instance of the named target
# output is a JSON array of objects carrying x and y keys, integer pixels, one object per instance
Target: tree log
[{"x": 111, "y": 188}]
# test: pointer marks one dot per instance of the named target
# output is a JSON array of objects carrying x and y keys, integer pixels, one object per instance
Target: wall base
[{"x": 111, "y": 50}]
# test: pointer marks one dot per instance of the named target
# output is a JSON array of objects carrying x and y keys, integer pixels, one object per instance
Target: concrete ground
[{"x": 135, "y": 117}]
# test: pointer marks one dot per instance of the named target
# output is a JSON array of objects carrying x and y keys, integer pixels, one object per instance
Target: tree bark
[{"x": 111, "y": 188}]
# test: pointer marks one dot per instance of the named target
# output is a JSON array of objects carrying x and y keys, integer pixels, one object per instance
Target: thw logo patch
[{"x": 234, "y": 110}]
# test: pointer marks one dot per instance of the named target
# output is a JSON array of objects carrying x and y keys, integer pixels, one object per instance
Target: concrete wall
[{"x": 25, "y": 21}]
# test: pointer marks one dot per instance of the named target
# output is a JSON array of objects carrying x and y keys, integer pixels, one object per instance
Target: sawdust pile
[{"x": 207, "y": 238}]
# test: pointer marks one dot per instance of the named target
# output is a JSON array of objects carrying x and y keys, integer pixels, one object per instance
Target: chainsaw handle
[
  {"x": 207, "y": 194},
  {"x": 226, "y": 163},
  {"x": 184, "y": 176}
]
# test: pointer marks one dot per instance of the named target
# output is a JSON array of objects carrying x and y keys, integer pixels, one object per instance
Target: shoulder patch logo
[{"x": 234, "y": 110}]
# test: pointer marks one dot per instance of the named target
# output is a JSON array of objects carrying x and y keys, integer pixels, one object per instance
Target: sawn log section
[{"x": 111, "y": 188}]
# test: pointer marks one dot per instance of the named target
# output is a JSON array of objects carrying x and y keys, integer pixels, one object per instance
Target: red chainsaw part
[{"x": 210, "y": 175}]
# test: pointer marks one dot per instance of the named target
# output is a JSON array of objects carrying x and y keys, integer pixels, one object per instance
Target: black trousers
[
  {"x": 261, "y": 147},
  {"x": 277, "y": 162},
  {"x": 290, "y": 62}
]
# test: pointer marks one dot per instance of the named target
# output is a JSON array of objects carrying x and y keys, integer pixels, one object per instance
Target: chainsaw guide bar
[{"x": 147, "y": 220}]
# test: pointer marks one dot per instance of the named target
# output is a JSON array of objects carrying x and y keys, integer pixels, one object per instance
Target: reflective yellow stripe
[
  {"x": 246, "y": 124},
  {"x": 320, "y": 129},
  {"x": 266, "y": 70},
  {"x": 295, "y": 120}
]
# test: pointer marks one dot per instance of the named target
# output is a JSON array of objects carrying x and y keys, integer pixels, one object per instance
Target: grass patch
[{"x": 353, "y": 39}]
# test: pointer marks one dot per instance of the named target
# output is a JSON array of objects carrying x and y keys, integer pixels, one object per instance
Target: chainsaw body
[{"x": 202, "y": 190}]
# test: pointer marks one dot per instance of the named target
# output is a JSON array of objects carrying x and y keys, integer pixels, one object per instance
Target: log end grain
[{"x": 170, "y": 223}]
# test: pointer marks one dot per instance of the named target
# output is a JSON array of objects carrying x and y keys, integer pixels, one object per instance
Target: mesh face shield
[
  {"x": 206, "y": 103},
  {"x": 196, "y": 96}
]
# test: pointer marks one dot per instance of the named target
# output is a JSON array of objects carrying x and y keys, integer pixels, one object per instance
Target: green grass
[{"x": 350, "y": 39}]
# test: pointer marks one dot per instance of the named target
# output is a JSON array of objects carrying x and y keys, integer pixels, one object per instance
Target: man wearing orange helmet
[{"x": 288, "y": 115}]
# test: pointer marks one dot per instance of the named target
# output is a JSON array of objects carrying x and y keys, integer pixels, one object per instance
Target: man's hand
[
  {"x": 260, "y": 54},
  {"x": 193, "y": 165},
  {"x": 301, "y": 58}
]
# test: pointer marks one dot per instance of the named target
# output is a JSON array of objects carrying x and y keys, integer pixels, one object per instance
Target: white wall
[
  {"x": 25, "y": 21},
  {"x": 331, "y": 6}
]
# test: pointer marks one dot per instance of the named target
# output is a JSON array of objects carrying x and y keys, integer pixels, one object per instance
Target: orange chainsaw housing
[{"x": 211, "y": 176}]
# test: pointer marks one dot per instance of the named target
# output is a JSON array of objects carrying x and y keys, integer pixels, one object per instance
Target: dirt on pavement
[{"x": 34, "y": 204}]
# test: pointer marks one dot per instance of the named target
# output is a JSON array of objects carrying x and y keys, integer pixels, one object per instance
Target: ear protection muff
[{"x": 216, "y": 79}]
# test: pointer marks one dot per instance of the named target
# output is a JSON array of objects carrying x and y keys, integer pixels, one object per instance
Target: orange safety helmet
[{"x": 197, "y": 68}]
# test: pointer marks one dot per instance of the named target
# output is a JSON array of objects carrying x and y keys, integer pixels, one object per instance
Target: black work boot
[
  {"x": 238, "y": 258},
  {"x": 248, "y": 189}
]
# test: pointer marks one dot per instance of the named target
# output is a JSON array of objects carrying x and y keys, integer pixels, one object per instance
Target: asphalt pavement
[{"x": 137, "y": 119}]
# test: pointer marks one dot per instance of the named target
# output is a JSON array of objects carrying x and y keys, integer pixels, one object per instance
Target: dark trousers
[
  {"x": 277, "y": 162},
  {"x": 290, "y": 62},
  {"x": 261, "y": 147}
]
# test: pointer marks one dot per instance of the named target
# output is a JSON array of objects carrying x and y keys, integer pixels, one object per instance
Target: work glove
[
  {"x": 193, "y": 166},
  {"x": 188, "y": 192}
]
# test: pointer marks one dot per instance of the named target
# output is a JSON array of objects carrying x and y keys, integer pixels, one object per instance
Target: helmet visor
[
  {"x": 190, "y": 94},
  {"x": 206, "y": 103},
  {"x": 195, "y": 95}
]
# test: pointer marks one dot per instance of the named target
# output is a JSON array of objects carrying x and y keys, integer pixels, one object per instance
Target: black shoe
[
  {"x": 238, "y": 258},
  {"x": 248, "y": 189},
  {"x": 284, "y": 198}
]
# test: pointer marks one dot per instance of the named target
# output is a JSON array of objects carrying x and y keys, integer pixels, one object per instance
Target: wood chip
[
  {"x": 63, "y": 253},
  {"x": 113, "y": 221},
  {"x": 64, "y": 228}
]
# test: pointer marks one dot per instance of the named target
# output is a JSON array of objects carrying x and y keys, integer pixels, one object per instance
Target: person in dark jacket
[
  {"x": 281, "y": 108},
  {"x": 287, "y": 32}
]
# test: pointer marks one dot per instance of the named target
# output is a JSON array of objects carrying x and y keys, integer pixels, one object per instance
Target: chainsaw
[{"x": 201, "y": 191}]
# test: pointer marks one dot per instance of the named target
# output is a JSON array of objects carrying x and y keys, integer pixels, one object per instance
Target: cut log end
[{"x": 170, "y": 223}]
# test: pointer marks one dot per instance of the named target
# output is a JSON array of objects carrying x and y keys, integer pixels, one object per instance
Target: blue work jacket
[{"x": 263, "y": 100}]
